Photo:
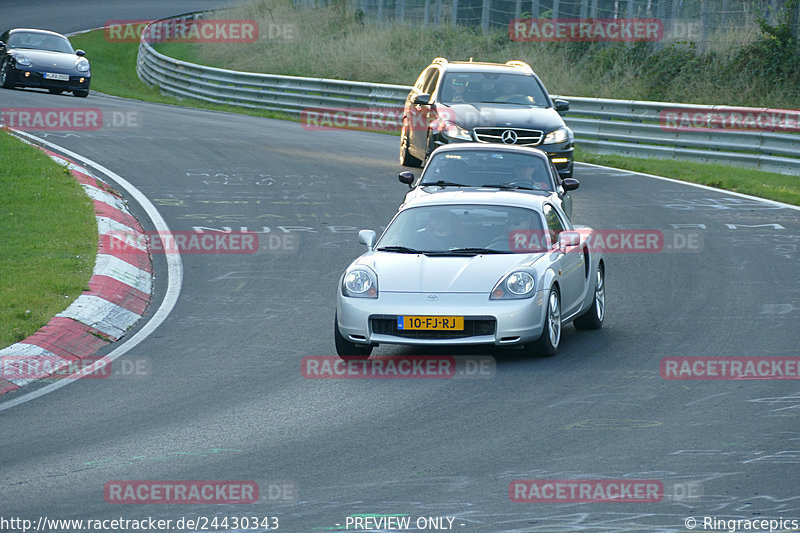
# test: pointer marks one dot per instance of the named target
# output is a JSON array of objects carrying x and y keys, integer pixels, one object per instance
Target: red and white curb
[{"x": 119, "y": 292}]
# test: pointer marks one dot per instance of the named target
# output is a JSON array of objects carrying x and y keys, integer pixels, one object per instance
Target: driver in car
[
  {"x": 524, "y": 232},
  {"x": 525, "y": 176}
]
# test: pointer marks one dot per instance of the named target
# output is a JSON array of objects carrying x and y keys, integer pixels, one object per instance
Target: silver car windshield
[
  {"x": 40, "y": 41},
  {"x": 486, "y": 87},
  {"x": 487, "y": 168},
  {"x": 464, "y": 229}
]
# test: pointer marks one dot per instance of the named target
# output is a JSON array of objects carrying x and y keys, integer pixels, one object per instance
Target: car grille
[
  {"x": 474, "y": 326},
  {"x": 517, "y": 136}
]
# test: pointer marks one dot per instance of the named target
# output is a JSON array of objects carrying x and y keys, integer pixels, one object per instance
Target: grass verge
[
  {"x": 773, "y": 186},
  {"x": 114, "y": 72},
  {"x": 48, "y": 243}
]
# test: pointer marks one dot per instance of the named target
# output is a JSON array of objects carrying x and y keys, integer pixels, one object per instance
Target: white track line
[
  {"x": 174, "y": 272},
  {"x": 698, "y": 185}
]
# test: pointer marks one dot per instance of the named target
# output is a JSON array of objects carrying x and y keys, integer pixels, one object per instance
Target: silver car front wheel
[
  {"x": 548, "y": 343},
  {"x": 593, "y": 317}
]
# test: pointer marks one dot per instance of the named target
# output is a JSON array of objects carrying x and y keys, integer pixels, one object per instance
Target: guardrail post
[
  {"x": 437, "y": 13},
  {"x": 534, "y": 9},
  {"x": 704, "y": 16},
  {"x": 455, "y": 13},
  {"x": 594, "y": 9},
  {"x": 796, "y": 21},
  {"x": 630, "y": 9},
  {"x": 487, "y": 5},
  {"x": 556, "y": 8},
  {"x": 400, "y": 10},
  {"x": 427, "y": 13},
  {"x": 517, "y": 8},
  {"x": 674, "y": 16},
  {"x": 380, "y": 10}
]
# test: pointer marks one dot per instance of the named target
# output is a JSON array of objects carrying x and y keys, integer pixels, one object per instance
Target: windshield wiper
[
  {"x": 457, "y": 251},
  {"x": 398, "y": 249},
  {"x": 442, "y": 183},
  {"x": 511, "y": 186}
]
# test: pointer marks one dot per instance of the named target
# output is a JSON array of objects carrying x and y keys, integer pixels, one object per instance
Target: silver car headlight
[
  {"x": 360, "y": 282},
  {"x": 557, "y": 136},
  {"x": 516, "y": 285},
  {"x": 22, "y": 60},
  {"x": 454, "y": 131},
  {"x": 82, "y": 65}
]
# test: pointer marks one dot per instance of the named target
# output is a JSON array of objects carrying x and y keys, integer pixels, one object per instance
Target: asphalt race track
[{"x": 223, "y": 397}]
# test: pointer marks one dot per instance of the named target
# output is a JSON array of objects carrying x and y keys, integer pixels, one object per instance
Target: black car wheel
[
  {"x": 406, "y": 159},
  {"x": 346, "y": 349},
  {"x": 55, "y": 91},
  {"x": 81, "y": 94},
  {"x": 5, "y": 75}
]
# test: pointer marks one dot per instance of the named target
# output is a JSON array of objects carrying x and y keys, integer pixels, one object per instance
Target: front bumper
[
  {"x": 559, "y": 151},
  {"x": 35, "y": 78},
  {"x": 498, "y": 322}
]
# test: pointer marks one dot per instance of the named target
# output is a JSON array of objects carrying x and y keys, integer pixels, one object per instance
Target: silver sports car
[{"x": 471, "y": 267}]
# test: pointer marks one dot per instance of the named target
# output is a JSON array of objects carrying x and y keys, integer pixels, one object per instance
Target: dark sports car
[{"x": 45, "y": 59}]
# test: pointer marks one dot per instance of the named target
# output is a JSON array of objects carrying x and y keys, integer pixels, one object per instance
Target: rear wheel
[
  {"x": 346, "y": 349},
  {"x": 5, "y": 75},
  {"x": 593, "y": 317},
  {"x": 406, "y": 159},
  {"x": 547, "y": 344}
]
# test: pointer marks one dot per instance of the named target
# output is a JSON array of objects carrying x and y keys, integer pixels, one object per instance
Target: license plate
[
  {"x": 54, "y": 76},
  {"x": 441, "y": 323}
]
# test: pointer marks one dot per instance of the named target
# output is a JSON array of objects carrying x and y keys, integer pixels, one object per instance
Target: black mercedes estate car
[{"x": 466, "y": 101}]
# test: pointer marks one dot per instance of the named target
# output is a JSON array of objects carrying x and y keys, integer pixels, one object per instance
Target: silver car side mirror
[
  {"x": 368, "y": 237},
  {"x": 568, "y": 238}
]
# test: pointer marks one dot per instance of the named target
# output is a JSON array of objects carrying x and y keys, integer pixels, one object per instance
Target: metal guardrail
[{"x": 622, "y": 127}]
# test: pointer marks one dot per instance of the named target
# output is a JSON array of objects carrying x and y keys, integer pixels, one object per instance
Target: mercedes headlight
[
  {"x": 516, "y": 285},
  {"x": 454, "y": 131},
  {"x": 360, "y": 282},
  {"x": 557, "y": 136}
]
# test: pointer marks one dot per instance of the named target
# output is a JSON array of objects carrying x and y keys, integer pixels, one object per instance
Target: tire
[
  {"x": 5, "y": 76},
  {"x": 348, "y": 350},
  {"x": 593, "y": 317},
  {"x": 55, "y": 91},
  {"x": 547, "y": 345},
  {"x": 430, "y": 146},
  {"x": 406, "y": 159},
  {"x": 81, "y": 93}
]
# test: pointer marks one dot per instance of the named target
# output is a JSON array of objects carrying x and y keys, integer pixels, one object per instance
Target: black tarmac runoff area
[{"x": 601, "y": 437}]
